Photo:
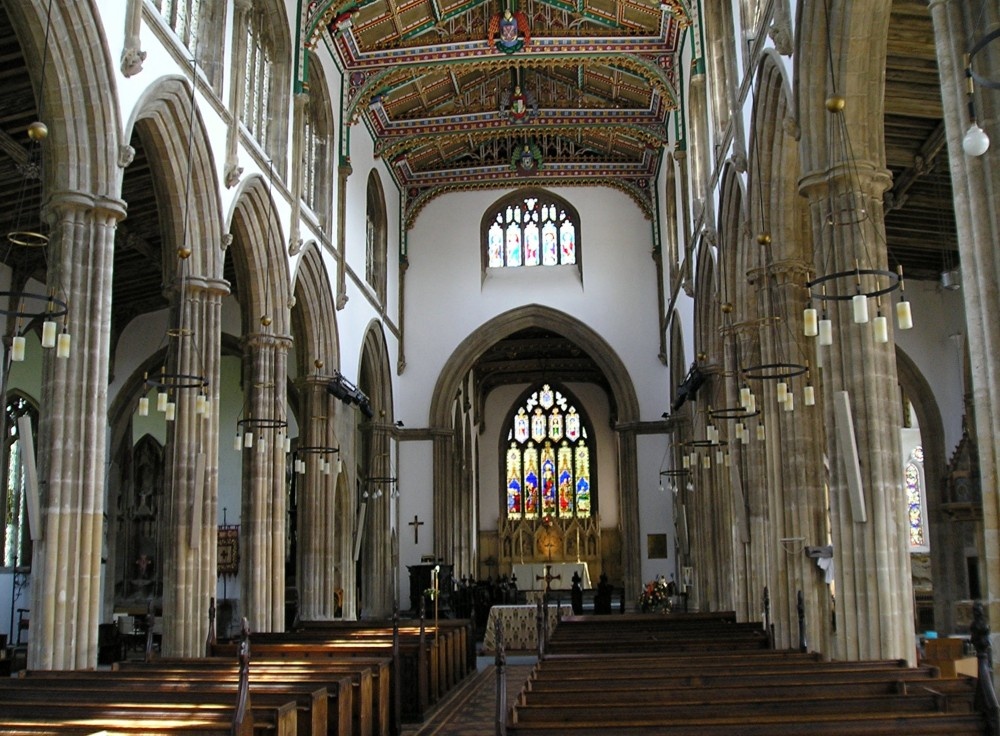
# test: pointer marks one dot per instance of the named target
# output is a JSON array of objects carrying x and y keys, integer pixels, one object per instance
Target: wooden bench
[
  {"x": 351, "y": 709},
  {"x": 682, "y": 675},
  {"x": 125, "y": 717},
  {"x": 317, "y": 713}
]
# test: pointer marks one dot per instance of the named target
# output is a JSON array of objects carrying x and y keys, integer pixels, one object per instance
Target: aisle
[{"x": 470, "y": 709}]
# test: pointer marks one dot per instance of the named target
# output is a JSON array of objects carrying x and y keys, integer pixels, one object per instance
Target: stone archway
[
  {"x": 318, "y": 527},
  {"x": 457, "y": 531}
]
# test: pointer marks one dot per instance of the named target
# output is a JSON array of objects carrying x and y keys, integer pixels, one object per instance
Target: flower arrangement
[{"x": 655, "y": 597}]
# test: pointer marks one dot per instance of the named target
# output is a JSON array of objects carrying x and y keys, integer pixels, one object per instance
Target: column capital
[
  {"x": 76, "y": 201},
  {"x": 266, "y": 339}
]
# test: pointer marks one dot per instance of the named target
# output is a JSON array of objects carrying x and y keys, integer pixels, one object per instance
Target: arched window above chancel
[
  {"x": 528, "y": 228},
  {"x": 549, "y": 458}
]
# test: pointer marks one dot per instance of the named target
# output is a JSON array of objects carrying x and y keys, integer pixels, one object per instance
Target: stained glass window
[
  {"x": 16, "y": 538},
  {"x": 548, "y": 458},
  {"x": 531, "y": 228},
  {"x": 913, "y": 478}
]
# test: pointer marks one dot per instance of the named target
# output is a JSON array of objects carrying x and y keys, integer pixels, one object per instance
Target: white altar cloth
[{"x": 520, "y": 631}]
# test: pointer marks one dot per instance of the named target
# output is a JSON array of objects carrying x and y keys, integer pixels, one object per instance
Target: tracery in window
[
  {"x": 316, "y": 144},
  {"x": 259, "y": 76},
  {"x": 16, "y": 535},
  {"x": 182, "y": 16},
  {"x": 548, "y": 459},
  {"x": 913, "y": 478},
  {"x": 531, "y": 228},
  {"x": 375, "y": 236}
]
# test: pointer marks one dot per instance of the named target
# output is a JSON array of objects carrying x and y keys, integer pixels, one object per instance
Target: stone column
[
  {"x": 316, "y": 491},
  {"x": 66, "y": 566},
  {"x": 376, "y": 571},
  {"x": 265, "y": 494},
  {"x": 871, "y": 555},
  {"x": 241, "y": 17},
  {"x": 794, "y": 474},
  {"x": 975, "y": 182},
  {"x": 843, "y": 180},
  {"x": 191, "y": 472}
]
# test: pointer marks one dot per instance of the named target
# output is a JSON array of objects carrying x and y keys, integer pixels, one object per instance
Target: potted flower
[{"x": 655, "y": 597}]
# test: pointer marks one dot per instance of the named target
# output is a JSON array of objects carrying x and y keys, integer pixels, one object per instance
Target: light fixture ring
[{"x": 855, "y": 276}]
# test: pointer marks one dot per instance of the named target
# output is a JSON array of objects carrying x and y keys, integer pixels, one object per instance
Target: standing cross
[
  {"x": 416, "y": 524},
  {"x": 548, "y": 577}
]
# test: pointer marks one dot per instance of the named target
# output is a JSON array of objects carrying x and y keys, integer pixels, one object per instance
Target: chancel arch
[{"x": 622, "y": 405}]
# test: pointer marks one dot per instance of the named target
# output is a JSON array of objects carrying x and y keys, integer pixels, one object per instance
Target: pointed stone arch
[
  {"x": 448, "y": 530},
  {"x": 263, "y": 289},
  {"x": 377, "y": 570},
  {"x": 317, "y": 523}
]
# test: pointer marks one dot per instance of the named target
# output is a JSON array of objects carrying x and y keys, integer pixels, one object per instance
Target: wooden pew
[
  {"x": 314, "y": 715},
  {"x": 668, "y": 675},
  {"x": 88, "y": 717},
  {"x": 351, "y": 707}
]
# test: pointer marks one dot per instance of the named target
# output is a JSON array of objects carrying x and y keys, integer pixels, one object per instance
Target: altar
[
  {"x": 520, "y": 631},
  {"x": 531, "y": 577}
]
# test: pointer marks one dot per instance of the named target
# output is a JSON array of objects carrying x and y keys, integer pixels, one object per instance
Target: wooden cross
[
  {"x": 416, "y": 524},
  {"x": 548, "y": 577}
]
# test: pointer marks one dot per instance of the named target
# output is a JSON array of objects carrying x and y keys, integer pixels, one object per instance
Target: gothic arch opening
[{"x": 606, "y": 375}]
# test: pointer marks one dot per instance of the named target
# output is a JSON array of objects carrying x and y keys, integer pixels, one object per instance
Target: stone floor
[{"x": 470, "y": 709}]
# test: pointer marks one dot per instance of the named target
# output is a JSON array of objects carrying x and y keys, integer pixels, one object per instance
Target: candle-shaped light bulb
[
  {"x": 745, "y": 396},
  {"x": 881, "y": 327},
  {"x": 340, "y": 466},
  {"x": 825, "y": 331},
  {"x": 288, "y": 443},
  {"x": 904, "y": 317},
  {"x": 789, "y": 401},
  {"x": 63, "y": 344},
  {"x": 199, "y": 404},
  {"x": 706, "y": 461},
  {"x": 48, "y": 334},
  {"x": 171, "y": 411},
  {"x": 248, "y": 439},
  {"x": 326, "y": 467},
  {"x": 760, "y": 432},
  {"x": 237, "y": 442},
  {"x": 860, "y": 302},
  {"x": 809, "y": 395},
  {"x": 17, "y": 349},
  {"x": 143, "y": 406},
  {"x": 810, "y": 322},
  {"x": 161, "y": 401},
  {"x": 686, "y": 461},
  {"x": 718, "y": 457},
  {"x": 782, "y": 391},
  {"x": 752, "y": 404}
]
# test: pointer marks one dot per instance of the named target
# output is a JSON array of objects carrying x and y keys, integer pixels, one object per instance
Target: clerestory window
[{"x": 528, "y": 228}]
